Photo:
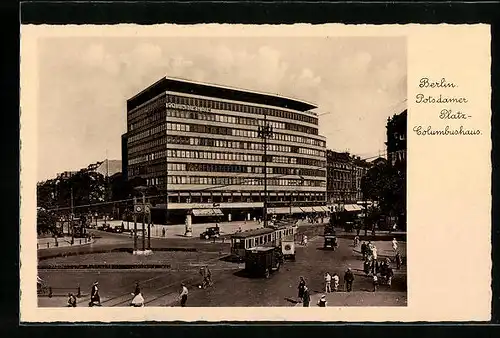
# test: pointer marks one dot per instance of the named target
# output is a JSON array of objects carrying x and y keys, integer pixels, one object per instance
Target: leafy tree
[
  {"x": 387, "y": 185},
  {"x": 47, "y": 223}
]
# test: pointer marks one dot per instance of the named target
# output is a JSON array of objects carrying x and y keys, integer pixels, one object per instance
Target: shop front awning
[
  {"x": 352, "y": 207},
  {"x": 278, "y": 211},
  {"x": 207, "y": 212},
  {"x": 307, "y": 209}
]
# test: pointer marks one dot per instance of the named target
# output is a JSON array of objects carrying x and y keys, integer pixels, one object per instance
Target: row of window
[
  {"x": 183, "y": 114},
  {"x": 209, "y": 155},
  {"x": 243, "y": 108},
  {"x": 160, "y": 169},
  {"x": 148, "y": 109},
  {"x": 195, "y": 128},
  {"x": 241, "y": 181},
  {"x": 311, "y": 152},
  {"x": 158, "y": 114},
  {"x": 208, "y": 142},
  {"x": 139, "y": 136}
]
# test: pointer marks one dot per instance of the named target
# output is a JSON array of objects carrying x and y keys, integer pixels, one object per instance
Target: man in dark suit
[
  {"x": 306, "y": 298},
  {"x": 348, "y": 279}
]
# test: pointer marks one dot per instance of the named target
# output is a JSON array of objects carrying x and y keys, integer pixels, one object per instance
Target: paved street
[{"x": 232, "y": 287}]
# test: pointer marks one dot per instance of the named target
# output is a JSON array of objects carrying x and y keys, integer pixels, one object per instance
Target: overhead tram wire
[{"x": 204, "y": 189}]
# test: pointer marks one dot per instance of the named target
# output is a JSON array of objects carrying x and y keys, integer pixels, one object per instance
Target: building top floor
[{"x": 216, "y": 91}]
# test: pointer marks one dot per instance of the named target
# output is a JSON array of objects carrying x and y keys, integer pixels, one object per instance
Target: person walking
[
  {"x": 306, "y": 299},
  {"x": 138, "y": 299},
  {"x": 95, "y": 298},
  {"x": 71, "y": 300},
  {"x": 328, "y": 282},
  {"x": 367, "y": 266},
  {"x": 398, "y": 260},
  {"x": 375, "y": 283},
  {"x": 364, "y": 250},
  {"x": 356, "y": 241},
  {"x": 183, "y": 295},
  {"x": 322, "y": 301},
  {"x": 394, "y": 245},
  {"x": 301, "y": 287},
  {"x": 389, "y": 276},
  {"x": 336, "y": 281},
  {"x": 374, "y": 263},
  {"x": 348, "y": 279}
]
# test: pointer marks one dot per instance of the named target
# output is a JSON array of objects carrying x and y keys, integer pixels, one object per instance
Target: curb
[
  {"x": 127, "y": 250},
  {"x": 68, "y": 246}
]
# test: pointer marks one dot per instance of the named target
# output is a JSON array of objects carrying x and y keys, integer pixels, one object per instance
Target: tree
[
  {"x": 47, "y": 223},
  {"x": 387, "y": 185}
]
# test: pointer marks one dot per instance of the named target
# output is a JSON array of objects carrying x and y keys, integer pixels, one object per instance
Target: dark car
[
  {"x": 212, "y": 232},
  {"x": 262, "y": 261}
]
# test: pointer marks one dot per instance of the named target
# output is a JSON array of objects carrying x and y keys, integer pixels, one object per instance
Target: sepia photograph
[{"x": 221, "y": 171}]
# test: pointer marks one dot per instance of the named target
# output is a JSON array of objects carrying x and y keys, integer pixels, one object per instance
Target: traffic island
[{"x": 176, "y": 260}]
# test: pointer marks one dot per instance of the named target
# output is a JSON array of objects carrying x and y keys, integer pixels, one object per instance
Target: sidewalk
[
  {"x": 178, "y": 230},
  {"x": 360, "y": 298},
  {"x": 50, "y": 243}
]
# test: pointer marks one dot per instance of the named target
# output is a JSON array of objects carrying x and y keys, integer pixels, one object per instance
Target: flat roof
[
  {"x": 250, "y": 233},
  {"x": 215, "y": 91}
]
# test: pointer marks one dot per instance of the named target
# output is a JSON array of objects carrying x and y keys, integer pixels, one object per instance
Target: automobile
[
  {"x": 116, "y": 229},
  {"x": 330, "y": 242},
  {"x": 103, "y": 227},
  {"x": 261, "y": 261},
  {"x": 212, "y": 232}
]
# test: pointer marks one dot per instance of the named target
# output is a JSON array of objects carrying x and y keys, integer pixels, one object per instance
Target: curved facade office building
[{"x": 200, "y": 145}]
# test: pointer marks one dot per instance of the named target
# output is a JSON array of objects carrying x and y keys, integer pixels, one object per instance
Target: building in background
[
  {"x": 396, "y": 139},
  {"x": 344, "y": 174},
  {"x": 361, "y": 167},
  {"x": 340, "y": 178},
  {"x": 396, "y": 156},
  {"x": 199, "y": 144}
]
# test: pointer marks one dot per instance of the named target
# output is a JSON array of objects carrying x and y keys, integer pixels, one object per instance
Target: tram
[{"x": 242, "y": 241}]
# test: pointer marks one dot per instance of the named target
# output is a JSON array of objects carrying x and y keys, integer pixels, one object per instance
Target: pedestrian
[
  {"x": 336, "y": 281},
  {"x": 306, "y": 299},
  {"x": 374, "y": 256},
  {"x": 367, "y": 266},
  {"x": 301, "y": 287},
  {"x": 375, "y": 283},
  {"x": 389, "y": 276},
  {"x": 394, "y": 245},
  {"x": 163, "y": 231},
  {"x": 304, "y": 240},
  {"x": 138, "y": 299},
  {"x": 356, "y": 241},
  {"x": 398, "y": 260},
  {"x": 209, "y": 276},
  {"x": 71, "y": 300},
  {"x": 95, "y": 298},
  {"x": 328, "y": 282},
  {"x": 183, "y": 295},
  {"x": 348, "y": 279},
  {"x": 364, "y": 250},
  {"x": 322, "y": 301}
]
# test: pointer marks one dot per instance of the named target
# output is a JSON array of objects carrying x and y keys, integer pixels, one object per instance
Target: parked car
[{"x": 212, "y": 232}]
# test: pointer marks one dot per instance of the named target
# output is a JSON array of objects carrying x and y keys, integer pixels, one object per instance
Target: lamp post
[{"x": 265, "y": 132}]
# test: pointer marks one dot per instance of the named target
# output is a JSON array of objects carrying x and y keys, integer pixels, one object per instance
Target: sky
[{"x": 84, "y": 82}]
